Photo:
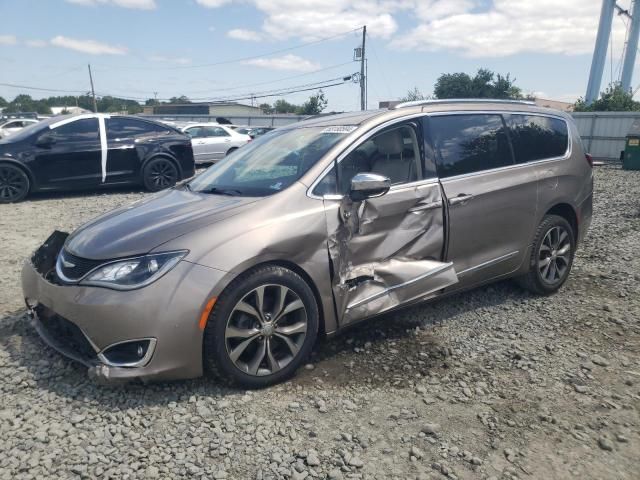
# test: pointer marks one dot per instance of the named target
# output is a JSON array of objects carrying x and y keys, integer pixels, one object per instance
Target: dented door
[{"x": 387, "y": 251}]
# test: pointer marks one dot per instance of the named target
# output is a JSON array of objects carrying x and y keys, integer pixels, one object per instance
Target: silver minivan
[{"x": 312, "y": 228}]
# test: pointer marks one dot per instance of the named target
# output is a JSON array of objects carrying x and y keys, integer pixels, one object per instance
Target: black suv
[{"x": 89, "y": 151}]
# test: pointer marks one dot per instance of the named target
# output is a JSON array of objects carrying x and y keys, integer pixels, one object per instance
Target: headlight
[{"x": 132, "y": 273}]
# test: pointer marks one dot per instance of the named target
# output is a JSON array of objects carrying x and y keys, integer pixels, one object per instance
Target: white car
[
  {"x": 15, "y": 125},
  {"x": 212, "y": 142}
]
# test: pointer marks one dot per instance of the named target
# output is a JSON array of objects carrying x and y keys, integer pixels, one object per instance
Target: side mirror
[
  {"x": 368, "y": 185},
  {"x": 45, "y": 140}
]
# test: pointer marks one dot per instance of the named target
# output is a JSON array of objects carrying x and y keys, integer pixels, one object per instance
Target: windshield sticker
[
  {"x": 276, "y": 186},
  {"x": 339, "y": 129}
]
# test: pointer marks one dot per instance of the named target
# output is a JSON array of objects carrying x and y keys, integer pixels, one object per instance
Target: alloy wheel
[
  {"x": 13, "y": 184},
  {"x": 554, "y": 255},
  {"x": 266, "y": 330},
  {"x": 163, "y": 174}
]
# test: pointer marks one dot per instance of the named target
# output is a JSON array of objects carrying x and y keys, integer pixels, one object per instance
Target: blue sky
[{"x": 138, "y": 47}]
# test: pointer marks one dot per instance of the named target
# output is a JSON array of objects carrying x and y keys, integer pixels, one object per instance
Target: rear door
[
  {"x": 491, "y": 201},
  {"x": 123, "y": 162},
  {"x": 385, "y": 251},
  {"x": 73, "y": 158},
  {"x": 219, "y": 141}
]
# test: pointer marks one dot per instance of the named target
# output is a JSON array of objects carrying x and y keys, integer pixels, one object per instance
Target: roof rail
[{"x": 416, "y": 103}]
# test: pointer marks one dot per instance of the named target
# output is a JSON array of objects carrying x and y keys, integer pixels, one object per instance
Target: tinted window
[
  {"x": 536, "y": 137},
  {"x": 84, "y": 129},
  {"x": 469, "y": 143},
  {"x": 394, "y": 153},
  {"x": 128, "y": 127}
]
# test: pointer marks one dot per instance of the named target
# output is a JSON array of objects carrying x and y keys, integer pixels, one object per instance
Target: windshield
[
  {"x": 24, "y": 133},
  {"x": 269, "y": 164}
]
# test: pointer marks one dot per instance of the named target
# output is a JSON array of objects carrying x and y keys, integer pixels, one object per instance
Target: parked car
[
  {"x": 212, "y": 142},
  {"x": 254, "y": 132},
  {"x": 15, "y": 125},
  {"x": 92, "y": 151},
  {"x": 313, "y": 228}
]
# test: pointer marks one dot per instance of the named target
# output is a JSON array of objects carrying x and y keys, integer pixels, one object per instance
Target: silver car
[
  {"x": 310, "y": 229},
  {"x": 14, "y": 125},
  {"x": 212, "y": 142}
]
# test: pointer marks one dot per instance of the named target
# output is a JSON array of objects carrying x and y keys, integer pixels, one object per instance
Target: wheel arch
[
  {"x": 567, "y": 212},
  {"x": 294, "y": 267},
  {"x": 155, "y": 155},
  {"x": 32, "y": 179}
]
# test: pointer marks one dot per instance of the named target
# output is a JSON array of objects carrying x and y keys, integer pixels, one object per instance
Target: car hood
[{"x": 142, "y": 226}]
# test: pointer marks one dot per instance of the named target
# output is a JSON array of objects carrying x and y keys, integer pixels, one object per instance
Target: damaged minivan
[{"x": 312, "y": 228}]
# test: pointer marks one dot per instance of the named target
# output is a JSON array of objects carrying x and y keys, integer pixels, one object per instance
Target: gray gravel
[{"x": 491, "y": 384}]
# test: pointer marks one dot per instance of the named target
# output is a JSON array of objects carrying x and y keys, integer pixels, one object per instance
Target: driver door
[{"x": 385, "y": 251}]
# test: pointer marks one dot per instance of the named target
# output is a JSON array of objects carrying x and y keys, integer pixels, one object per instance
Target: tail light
[{"x": 589, "y": 159}]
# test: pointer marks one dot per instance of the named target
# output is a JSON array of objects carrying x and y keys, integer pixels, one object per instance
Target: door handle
[
  {"x": 421, "y": 207},
  {"x": 227, "y": 140},
  {"x": 460, "y": 199},
  {"x": 125, "y": 147}
]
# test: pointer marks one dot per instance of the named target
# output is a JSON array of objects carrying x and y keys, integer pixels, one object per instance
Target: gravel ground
[{"x": 491, "y": 384}]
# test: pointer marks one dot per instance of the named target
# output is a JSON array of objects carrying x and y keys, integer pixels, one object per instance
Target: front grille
[
  {"x": 65, "y": 335},
  {"x": 74, "y": 268}
]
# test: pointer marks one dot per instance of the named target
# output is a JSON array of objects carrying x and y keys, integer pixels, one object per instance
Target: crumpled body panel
[{"x": 386, "y": 251}]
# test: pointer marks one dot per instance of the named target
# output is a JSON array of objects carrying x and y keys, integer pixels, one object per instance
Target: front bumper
[{"x": 167, "y": 311}]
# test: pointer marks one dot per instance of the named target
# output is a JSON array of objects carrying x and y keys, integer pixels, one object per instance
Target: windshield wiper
[{"x": 222, "y": 191}]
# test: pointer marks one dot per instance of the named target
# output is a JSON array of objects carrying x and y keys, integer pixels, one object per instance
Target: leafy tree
[
  {"x": 484, "y": 84},
  {"x": 24, "y": 103},
  {"x": 613, "y": 99},
  {"x": 413, "y": 95},
  {"x": 180, "y": 99},
  {"x": 282, "y": 106},
  {"x": 151, "y": 101},
  {"x": 266, "y": 108},
  {"x": 315, "y": 105},
  {"x": 3, "y": 102}
]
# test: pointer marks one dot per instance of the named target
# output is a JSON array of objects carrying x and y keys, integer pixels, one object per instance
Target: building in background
[
  {"x": 68, "y": 110},
  {"x": 218, "y": 109},
  {"x": 555, "y": 104}
]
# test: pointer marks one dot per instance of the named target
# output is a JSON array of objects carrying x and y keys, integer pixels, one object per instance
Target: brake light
[{"x": 589, "y": 159}]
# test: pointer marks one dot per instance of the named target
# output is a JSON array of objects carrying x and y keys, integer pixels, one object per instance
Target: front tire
[
  {"x": 262, "y": 328},
  {"x": 14, "y": 183},
  {"x": 159, "y": 173},
  {"x": 552, "y": 255}
]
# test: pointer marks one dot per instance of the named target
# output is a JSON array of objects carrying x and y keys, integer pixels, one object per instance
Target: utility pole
[
  {"x": 600, "y": 51},
  {"x": 363, "y": 102},
  {"x": 632, "y": 47},
  {"x": 93, "y": 93}
]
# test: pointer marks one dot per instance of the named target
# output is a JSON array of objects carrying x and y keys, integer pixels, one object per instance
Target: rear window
[
  {"x": 469, "y": 143},
  {"x": 537, "y": 137}
]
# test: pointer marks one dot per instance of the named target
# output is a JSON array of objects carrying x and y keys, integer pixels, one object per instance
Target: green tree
[
  {"x": 282, "y": 106},
  {"x": 266, "y": 108},
  {"x": 180, "y": 99},
  {"x": 484, "y": 84},
  {"x": 3, "y": 102},
  {"x": 413, "y": 95},
  {"x": 613, "y": 99},
  {"x": 315, "y": 105}
]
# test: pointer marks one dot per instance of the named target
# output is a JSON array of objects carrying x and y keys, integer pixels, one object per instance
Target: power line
[
  {"x": 236, "y": 60},
  {"x": 54, "y": 90}
]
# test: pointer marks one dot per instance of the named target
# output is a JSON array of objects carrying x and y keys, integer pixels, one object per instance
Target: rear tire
[
  {"x": 159, "y": 173},
  {"x": 262, "y": 328},
  {"x": 551, "y": 258},
  {"x": 14, "y": 183}
]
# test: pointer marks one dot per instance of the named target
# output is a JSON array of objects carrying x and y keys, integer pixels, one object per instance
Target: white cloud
[
  {"x": 242, "y": 34},
  {"x": 313, "y": 19},
  {"x": 212, "y": 3},
  {"x": 136, "y": 4},
  {"x": 176, "y": 60},
  {"x": 8, "y": 40},
  {"x": 36, "y": 43},
  {"x": 285, "y": 62},
  {"x": 508, "y": 27},
  {"x": 87, "y": 46}
]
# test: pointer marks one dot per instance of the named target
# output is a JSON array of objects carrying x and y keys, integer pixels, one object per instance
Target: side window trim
[{"x": 360, "y": 141}]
